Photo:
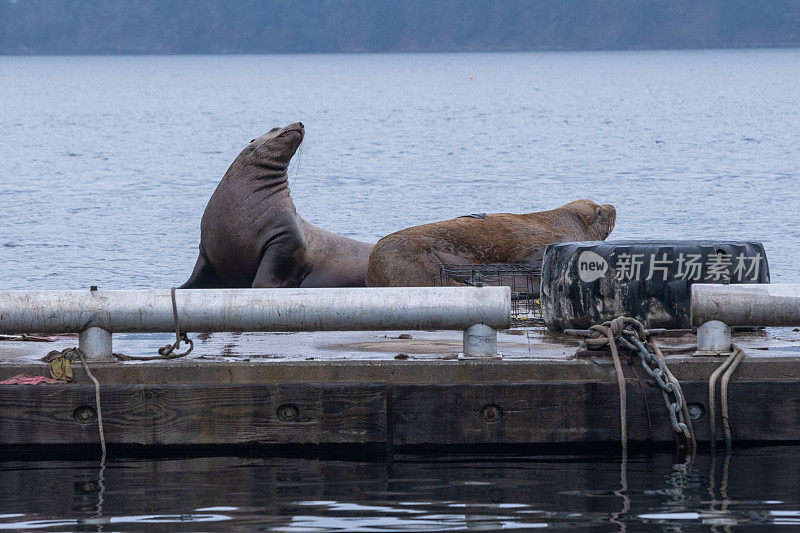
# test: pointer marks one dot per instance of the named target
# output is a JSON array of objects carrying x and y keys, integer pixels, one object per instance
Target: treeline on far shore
[{"x": 285, "y": 26}]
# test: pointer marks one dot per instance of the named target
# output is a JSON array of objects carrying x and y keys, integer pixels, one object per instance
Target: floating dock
[{"x": 376, "y": 388}]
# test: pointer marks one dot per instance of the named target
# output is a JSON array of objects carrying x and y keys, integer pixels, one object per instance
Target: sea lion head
[
  {"x": 600, "y": 218},
  {"x": 278, "y": 144}
]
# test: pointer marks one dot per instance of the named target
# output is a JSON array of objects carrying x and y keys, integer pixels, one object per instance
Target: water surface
[
  {"x": 756, "y": 487},
  {"x": 106, "y": 163}
]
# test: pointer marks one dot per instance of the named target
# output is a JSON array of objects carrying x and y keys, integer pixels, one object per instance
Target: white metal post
[
  {"x": 713, "y": 337},
  {"x": 480, "y": 340},
  {"x": 95, "y": 343}
]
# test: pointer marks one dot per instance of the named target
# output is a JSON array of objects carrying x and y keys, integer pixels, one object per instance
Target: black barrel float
[{"x": 586, "y": 283}]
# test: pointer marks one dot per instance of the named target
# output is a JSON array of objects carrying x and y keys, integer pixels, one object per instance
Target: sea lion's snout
[
  {"x": 607, "y": 216},
  {"x": 278, "y": 145},
  {"x": 296, "y": 130},
  {"x": 591, "y": 215}
]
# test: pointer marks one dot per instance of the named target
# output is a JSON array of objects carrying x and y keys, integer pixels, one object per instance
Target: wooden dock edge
[{"x": 465, "y": 404}]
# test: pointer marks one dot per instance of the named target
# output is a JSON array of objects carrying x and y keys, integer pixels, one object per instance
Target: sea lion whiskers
[
  {"x": 591, "y": 216},
  {"x": 604, "y": 217},
  {"x": 297, "y": 161}
]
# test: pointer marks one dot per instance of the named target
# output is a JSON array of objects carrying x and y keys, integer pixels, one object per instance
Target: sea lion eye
[
  {"x": 274, "y": 129},
  {"x": 599, "y": 212}
]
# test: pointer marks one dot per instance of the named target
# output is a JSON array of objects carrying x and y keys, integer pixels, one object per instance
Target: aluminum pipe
[
  {"x": 746, "y": 304},
  {"x": 345, "y": 309}
]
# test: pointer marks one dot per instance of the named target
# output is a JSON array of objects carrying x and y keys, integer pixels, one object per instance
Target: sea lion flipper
[
  {"x": 203, "y": 276},
  {"x": 284, "y": 263}
]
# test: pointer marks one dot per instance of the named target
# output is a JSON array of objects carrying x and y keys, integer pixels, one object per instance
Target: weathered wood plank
[
  {"x": 195, "y": 414},
  {"x": 357, "y": 413},
  {"x": 580, "y": 412}
]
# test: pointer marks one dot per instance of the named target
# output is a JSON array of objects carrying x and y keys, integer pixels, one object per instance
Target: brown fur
[{"x": 412, "y": 257}]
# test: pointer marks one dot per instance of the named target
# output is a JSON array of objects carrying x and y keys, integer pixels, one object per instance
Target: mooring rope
[
  {"x": 608, "y": 334},
  {"x": 623, "y": 396},
  {"x": 168, "y": 351},
  {"x": 726, "y": 369},
  {"x": 629, "y": 333},
  {"x": 97, "y": 403},
  {"x": 101, "y": 473}
]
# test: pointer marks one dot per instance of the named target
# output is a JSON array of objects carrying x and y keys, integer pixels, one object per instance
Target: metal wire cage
[{"x": 522, "y": 278}]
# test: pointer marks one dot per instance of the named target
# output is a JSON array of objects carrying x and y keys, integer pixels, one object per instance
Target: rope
[
  {"x": 623, "y": 397},
  {"x": 726, "y": 369},
  {"x": 629, "y": 333},
  {"x": 168, "y": 351},
  {"x": 97, "y": 403},
  {"x": 101, "y": 473},
  {"x": 607, "y": 334},
  {"x": 726, "y": 424}
]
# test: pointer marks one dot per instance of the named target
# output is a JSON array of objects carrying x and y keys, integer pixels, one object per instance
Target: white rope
[{"x": 97, "y": 404}]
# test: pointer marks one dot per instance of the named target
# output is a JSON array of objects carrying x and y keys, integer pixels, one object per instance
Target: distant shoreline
[
  {"x": 194, "y": 27},
  {"x": 405, "y": 52}
]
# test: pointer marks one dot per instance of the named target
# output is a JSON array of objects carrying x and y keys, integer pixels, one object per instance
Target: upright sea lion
[
  {"x": 252, "y": 236},
  {"x": 412, "y": 257}
]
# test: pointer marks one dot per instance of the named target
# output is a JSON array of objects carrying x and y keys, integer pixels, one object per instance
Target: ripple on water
[
  {"x": 417, "y": 492},
  {"x": 384, "y": 152}
]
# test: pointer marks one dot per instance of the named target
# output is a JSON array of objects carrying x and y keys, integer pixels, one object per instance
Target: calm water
[
  {"x": 754, "y": 487},
  {"x": 106, "y": 165}
]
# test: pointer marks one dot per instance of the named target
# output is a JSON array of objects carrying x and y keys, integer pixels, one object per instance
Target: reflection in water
[{"x": 417, "y": 492}]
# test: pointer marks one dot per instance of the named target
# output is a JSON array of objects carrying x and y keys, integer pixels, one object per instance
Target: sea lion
[
  {"x": 252, "y": 236},
  {"x": 412, "y": 257}
]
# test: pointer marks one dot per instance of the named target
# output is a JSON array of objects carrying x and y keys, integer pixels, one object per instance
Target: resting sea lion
[
  {"x": 252, "y": 236},
  {"x": 412, "y": 257}
]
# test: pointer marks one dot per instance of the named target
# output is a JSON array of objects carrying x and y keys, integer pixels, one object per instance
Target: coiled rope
[{"x": 170, "y": 350}]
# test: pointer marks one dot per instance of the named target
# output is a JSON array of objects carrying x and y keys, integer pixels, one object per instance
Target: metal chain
[
  {"x": 629, "y": 333},
  {"x": 672, "y": 396}
]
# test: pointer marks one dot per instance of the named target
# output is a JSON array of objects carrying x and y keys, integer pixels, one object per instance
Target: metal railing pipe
[
  {"x": 97, "y": 314},
  {"x": 345, "y": 309},
  {"x": 750, "y": 305}
]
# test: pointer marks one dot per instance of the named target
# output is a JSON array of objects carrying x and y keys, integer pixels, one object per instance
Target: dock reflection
[{"x": 414, "y": 492}]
